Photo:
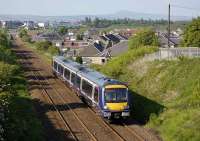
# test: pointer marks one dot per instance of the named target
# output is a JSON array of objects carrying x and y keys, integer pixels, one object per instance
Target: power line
[{"x": 184, "y": 7}]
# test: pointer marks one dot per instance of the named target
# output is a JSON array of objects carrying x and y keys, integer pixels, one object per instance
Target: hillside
[{"x": 165, "y": 94}]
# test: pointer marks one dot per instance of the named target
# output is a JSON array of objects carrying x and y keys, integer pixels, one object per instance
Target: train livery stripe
[
  {"x": 117, "y": 106},
  {"x": 115, "y": 86}
]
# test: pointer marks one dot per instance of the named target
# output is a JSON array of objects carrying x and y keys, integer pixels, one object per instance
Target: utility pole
[{"x": 169, "y": 23}]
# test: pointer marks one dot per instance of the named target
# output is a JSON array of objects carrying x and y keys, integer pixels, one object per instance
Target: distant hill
[{"x": 120, "y": 14}]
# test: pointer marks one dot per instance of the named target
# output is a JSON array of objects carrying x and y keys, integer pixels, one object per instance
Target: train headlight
[
  {"x": 126, "y": 107},
  {"x": 105, "y": 107}
]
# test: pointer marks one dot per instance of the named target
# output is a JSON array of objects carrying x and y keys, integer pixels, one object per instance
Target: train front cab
[{"x": 115, "y": 102}]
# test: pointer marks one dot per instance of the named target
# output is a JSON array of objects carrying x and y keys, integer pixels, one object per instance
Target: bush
[
  {"x": 191, "y": 37},
  {"x": 23, "y": 34},
  {"x": 18, "y": 120},
  {"x": 145, "y": 37},
  {"x": 53, "y": 50},
  {"x": 115, "y": 67},
  {"x": 43, "y": 45},
  {"x": 79, "y": 60}
]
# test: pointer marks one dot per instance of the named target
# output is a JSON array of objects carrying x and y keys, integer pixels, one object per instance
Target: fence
[{"x": 172, "y": 53}]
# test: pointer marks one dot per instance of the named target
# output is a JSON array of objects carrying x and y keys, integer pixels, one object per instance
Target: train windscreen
[{"x": 115, "y": 95}]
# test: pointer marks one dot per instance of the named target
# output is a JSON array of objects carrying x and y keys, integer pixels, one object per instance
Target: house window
[
  {"x": 87, "y": 88},
  {"x": 67, "y": 74},
  {"x": 96, "y": 95},
  {"x": 103, "y": 60}
]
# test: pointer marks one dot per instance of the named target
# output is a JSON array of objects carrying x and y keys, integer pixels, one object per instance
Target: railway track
[
  {"x": 61, "y": 116},
  {"x": 111, "y": 127},
  {"x": 64, "y": 96},
  {"x": 49, "y": 97}
]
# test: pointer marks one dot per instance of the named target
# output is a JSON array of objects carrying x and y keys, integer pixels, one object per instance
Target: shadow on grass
[
  {"x": 26, "y": 126},
  {"x": 142, "y": 108}
]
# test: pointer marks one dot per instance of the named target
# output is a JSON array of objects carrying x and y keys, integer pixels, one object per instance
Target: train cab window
[
  {"x": 87, "y": 88},
  {"x": 55, "y": 65},
  {"x": 67, "y": 74},
  {"x": 73, "y": 78},
  {"x": 96, "y": 94}
]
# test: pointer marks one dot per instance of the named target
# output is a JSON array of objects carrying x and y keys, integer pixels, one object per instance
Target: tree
[
  {"x": 43, "y": 45},
  {"x": 79, "y": 60},
  {"x": 79, "y": 37},
  {"x": 191, "y": 37},
  {"x": 145, "y": 37},
  {"x": 62, "y": 30},
  {"x": 4, "y": 41},
  {"x": 23, "y": 34}
]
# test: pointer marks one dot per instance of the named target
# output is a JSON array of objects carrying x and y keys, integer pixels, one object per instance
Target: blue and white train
[{"x": 109, "y": 96}]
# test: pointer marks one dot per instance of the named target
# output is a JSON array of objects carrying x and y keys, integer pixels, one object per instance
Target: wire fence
[{"x": 173, "y": 53}]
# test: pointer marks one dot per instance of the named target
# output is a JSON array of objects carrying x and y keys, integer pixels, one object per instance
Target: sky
[{"x": 96, "y": 7}]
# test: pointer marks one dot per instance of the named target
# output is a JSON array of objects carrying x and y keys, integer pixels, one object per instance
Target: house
[
  {"x": 75, "y": 44},
  {"x": 12, "y": 24},
  {"x": 115, "y": 50},
  {"x": 91, "y": 54},
  {"x": 29, "y": 25},
  {"x": 91, "y": 32},
  {"x": 50, "y": 36},
  {"x": 174, "y": 40},
  {"x": 42, "y": 25}
]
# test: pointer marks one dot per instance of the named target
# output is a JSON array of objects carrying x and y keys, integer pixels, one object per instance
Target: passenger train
[{"x": 109, "y": 96}]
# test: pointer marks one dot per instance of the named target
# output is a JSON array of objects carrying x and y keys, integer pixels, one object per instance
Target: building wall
[{"x": 95, "y": 60}]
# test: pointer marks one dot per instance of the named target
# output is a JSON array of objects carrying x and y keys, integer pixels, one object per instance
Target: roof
[
  {"x": 116, "y": 49},
  {"x": 99, "y": 47},
  {"x": 112, "y": 38},
  {"x": 82, "y": 70},
  {"x": 89, "y": 51},
  {"x": 47, "y": 36}
]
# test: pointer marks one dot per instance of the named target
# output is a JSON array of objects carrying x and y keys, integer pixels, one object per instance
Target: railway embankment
[
  {"x": 18, "y": 120},
  {"x": 165, "y": 94}
]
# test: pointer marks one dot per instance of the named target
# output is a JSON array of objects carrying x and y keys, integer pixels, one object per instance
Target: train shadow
[
  {"x": 142, "y": 108},
  {"x": 52, "y": 132}
]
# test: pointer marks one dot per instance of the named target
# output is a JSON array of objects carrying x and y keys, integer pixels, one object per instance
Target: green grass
[{"x": 165, "y": 94}]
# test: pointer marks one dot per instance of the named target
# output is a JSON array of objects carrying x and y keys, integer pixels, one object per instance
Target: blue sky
[{"x": 84, "y": 7}]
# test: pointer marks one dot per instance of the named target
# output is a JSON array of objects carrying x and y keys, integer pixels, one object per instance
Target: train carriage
[{"x": 109, "y": 96}]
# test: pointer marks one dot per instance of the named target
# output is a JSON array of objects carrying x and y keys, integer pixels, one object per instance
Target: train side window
[
  {"x": 78, "y": 81},
  {"x": 87, "y": 88},
  {"x": 73, "y": 78},
  {"x": 67, "y": 74},
  {"x": 96, "y": 94},
  {"x": 61, "y": 69},
  {"x": 55, "y": 65}
]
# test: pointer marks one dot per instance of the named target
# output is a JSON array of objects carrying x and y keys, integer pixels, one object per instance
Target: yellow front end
[
  {"x": 117, "y": 106},
  {"x": 116, "y": 101}
]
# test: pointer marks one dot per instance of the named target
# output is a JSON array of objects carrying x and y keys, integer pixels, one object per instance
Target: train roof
[{"x": 84, "y": 71}]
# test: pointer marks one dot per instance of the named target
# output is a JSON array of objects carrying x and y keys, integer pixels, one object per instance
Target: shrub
[
  {"x": 191, "y": 37},
  {"x": 145, "y": 37}
]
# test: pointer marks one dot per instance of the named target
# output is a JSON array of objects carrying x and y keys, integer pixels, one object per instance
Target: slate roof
[
  {"x": 116, "y": 49},
  {"x": 89, "y": 51},
  {"x": 112, "y": 38}
]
